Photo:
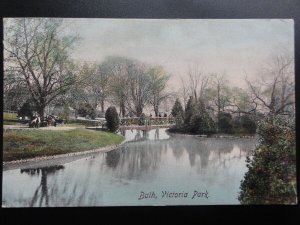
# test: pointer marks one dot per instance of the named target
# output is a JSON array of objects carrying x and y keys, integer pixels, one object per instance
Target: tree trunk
[
  {"x": 156, "y": 111},
  {"x": 41, "y": 111},
  {"x": 102, "y": 105},
  {"x": 139, "y": 111},
  {"x": 122, "y": 108}
]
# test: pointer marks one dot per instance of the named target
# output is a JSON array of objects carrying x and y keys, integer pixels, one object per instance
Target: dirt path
[{"x": 24, "y": 127}]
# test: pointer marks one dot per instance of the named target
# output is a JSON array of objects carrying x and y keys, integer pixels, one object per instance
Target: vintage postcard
[{"x": 148, "y": 112}]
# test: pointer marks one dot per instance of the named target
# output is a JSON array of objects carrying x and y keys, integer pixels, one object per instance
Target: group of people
[
  {"x": 50, "y": 120},
  {"x": 160, "y": 115}
]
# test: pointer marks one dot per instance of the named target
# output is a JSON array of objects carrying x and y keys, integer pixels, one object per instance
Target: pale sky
[{"x": 217, "y": 46}]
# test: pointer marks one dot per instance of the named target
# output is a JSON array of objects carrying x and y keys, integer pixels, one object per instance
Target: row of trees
[
  {"x": 196, "y": 119},
  {"x": 219, "y": 107},
  {"x": 129, "y": 84},
  {"x": 39, "y": 70}
]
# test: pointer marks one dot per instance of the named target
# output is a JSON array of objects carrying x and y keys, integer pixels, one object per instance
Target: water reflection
[
  {"x": 144, "y": 134},
  {"x": 41, "y": 192},
  {"x": 151, "y": 160}
]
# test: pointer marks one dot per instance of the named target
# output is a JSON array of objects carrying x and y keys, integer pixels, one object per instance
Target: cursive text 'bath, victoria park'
[{"x": 173, "y": 194}]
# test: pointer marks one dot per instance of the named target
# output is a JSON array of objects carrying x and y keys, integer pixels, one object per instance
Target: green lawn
[{"x": 23, "y": 144}]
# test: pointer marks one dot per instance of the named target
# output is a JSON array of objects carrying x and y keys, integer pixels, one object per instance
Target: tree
[
  {"x": 243, "y": 102},
  {"x": 116, "y": 68},
  {"x": 274, "y": 92},
  {"x": 90, "y": 92},
  {"x": 202, "y": 123},
  {"x": 219, "y": 94},
  {"x": 189, "y": 111},
  {"x": 197, "y": 82},
  {"x": 177, "y": 108},
  {"x": 103, "y": 84},
  {"x": 15, "y": 92},
  {"x": 112, "y": 119},
  {"x": 38, "y": 53},
  {"x": 271, "y": 175},
  {"x": 158, "y": 79},
  {"x": 139, "y": 89}
]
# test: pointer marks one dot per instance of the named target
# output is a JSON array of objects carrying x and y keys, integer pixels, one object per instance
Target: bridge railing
[
  {"x": 148, "y": 121},
  {"x": 128, "y": 121}
]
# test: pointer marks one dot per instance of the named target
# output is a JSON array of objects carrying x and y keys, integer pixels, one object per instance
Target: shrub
[
  {"x": 112, "y": 119},
  {"x": 244, "y": 124},
  {"x": 271, "y": 176},
  {"x": 179, "y": 121},
  {"x": 190, "y": 110},
  {"x": 225, "y": 123},
  {"x": 177, "y": 108},
  {"x": 202, "y": 123},
  {"x": 248, "y": 125}
]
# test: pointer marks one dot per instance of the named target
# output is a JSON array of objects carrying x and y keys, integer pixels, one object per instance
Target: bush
[
  {"x": 190, "y": 110},
  {"x": 112, "y": 119},
  {"x": 202, "y": 124},
  {"x": 225, "y": 123},
  {"x": 179, "y": 121},
  {"x": 271, "y": 176},
  {"x": 177, "y": 108},
  {"x": 248, "y": 125},
  {"x": 244, "y": 125}
]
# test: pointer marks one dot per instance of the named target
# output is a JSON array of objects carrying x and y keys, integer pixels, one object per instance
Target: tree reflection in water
[
  {"x": 42, "y": 190},
  {"x": 112, "y": 158}
]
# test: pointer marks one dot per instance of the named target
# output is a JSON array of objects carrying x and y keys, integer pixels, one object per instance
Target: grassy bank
[
  {"x": 24, "y": 144},
  {"x": 237, "y": 134},
  {"x": 9, "y": 116}
]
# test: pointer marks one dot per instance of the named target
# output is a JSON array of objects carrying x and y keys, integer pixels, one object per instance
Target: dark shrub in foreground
[
  {"x": 271, "y": 176},
  {"x": 112, "y": 119}
]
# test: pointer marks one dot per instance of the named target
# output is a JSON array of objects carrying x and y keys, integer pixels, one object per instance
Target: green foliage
[
  {"x": 248, "y": 124},
  {"x": 179, "y": 120},
  {"x": 190, "y": 110},
  {"x": 112, "y": 119},
  {"x": 202, "y": 123},
  {"x": 271, "y": 176},
  {"x": 177, "y": 108},
  {"x": 197, "y": 120},
  {"x": 244, "y": 125},
  {"x": 225, "y": 123},
  {"x": 85, "y": 109}
]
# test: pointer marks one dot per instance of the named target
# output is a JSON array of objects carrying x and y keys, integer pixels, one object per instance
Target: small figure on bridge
[{"x": 165, "y": 115}]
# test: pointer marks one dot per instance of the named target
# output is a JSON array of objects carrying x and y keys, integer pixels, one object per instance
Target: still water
[{"x": 152, "y": 168}]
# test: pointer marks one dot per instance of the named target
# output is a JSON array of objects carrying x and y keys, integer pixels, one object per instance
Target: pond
[{"x": 153, "y": 168}]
